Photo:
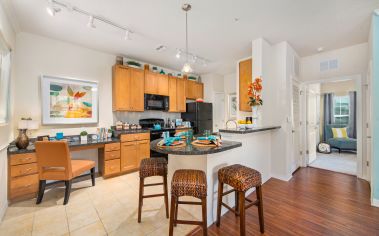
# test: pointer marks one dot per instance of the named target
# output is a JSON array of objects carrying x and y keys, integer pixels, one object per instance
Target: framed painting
[
  {"x": 232, "y": 106},
  {"x": 69, "y": 101}
]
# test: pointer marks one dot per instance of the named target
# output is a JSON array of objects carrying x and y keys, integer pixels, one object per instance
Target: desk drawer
[
  {"x": 112, "y": 147},
  {"x": 26, "y": 169},
  {"x": 112, "y": 167},
  {"x": 24, "y": 185},
  {"x": 135, "y": 137},
  {"x": 25, "y": 158},
  {"x": 111, "y": 155}
]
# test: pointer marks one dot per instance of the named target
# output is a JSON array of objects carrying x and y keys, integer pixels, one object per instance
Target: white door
[
  {"x": 218, "y": 111},
  {"x": 296, "y": 157},
  {"x": 312, "y": 125}
]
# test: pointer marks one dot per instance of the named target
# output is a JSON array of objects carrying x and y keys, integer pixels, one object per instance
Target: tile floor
[
  {"x": 344, "y": 162},
  {"x": 109, "y": 208}
]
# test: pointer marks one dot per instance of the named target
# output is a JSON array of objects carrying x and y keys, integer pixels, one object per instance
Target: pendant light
[{"x": 187, "y": 66}]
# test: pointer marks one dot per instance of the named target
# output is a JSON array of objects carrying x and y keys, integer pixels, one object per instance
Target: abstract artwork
[
  {"x": 232, "y": 106},
  {"x": 69, "y": 101}
]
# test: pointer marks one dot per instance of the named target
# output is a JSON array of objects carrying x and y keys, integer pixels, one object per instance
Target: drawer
[
  {"x": 26, "y": 169},
  {"x": 112, "y": 167},
  {"x": 24, "y": 185},
  {"x": 25, "y": 158},
  {"x": 135, "y": 137},
  {"x": 112, "y": 147},
  {"x": 111, "y": 155}
]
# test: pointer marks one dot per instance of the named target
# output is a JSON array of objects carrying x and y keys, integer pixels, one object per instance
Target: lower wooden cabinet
[
  {"x": 111, "y": 167},
  {"x": 134, "y": 150},
  {"x": 109, "y": 160},
  {"x": 25, "y": 185}
]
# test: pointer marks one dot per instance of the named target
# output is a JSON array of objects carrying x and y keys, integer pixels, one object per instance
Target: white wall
[
  {"x": 338, "y": 87},
  {"x": 6, "y": 133},
  {"x": 351, "y": 61}
]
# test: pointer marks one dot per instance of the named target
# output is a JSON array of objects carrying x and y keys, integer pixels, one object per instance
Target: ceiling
[{"x": 213, "y": 31}]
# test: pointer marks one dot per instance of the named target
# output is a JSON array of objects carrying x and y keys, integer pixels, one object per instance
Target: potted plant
[
  {"x": 83, "y": 136},
  {"x": 255, "y": 98}
]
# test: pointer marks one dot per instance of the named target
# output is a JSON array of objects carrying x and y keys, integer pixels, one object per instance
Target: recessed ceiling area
[{"x": 214, "y": 32}]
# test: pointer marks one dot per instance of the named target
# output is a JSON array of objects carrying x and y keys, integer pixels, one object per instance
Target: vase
[
  {"x": 255, "y": 116},
  {"x": 22, "y": 141}
]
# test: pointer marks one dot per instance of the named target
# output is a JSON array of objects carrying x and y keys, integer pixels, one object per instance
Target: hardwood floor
[{"x": 314, "y": 202}]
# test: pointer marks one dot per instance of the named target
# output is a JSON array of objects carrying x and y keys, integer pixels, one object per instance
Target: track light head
[
  {"x": 127, "y": 35},
  {"x": 178, "y": 54},
  {"x": 52, "y": 9},
  {"x": 91, "y": 23}
]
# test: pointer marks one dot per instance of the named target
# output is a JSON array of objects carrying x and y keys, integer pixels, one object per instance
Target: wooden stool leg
[
  {"x": 260, "y": 208},
  {"x": 176, "y": 211},
  {"x": 140, "y": 199},
  {"x": 67, "y": 191},
  {"x": 172, "y": 212},
  {"x": 219, "y": 202},
  {"x": 204, "y": 211},
  {"x": 165, "y": 194},
  {"x": 93, "y": 176},
  {"x": 236, "y": 207},
  {"x": 41, "y": 191},
  {"x": 241, "y": 196}
]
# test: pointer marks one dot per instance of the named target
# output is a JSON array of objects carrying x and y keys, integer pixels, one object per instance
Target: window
[
  {"x": 5, "y": 66},
  {"x": 341, "y": 109}
]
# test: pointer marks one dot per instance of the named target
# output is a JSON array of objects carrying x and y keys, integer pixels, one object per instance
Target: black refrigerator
[{"x": 200, "y": 115}]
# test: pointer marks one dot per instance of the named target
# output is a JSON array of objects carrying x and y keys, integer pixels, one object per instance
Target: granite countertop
[
  {"x": 194, "y": 150},
  {"x": 247, "y": 131},
  {"x": 117, "y": 133},
  {"x": 73, "y": 141}
]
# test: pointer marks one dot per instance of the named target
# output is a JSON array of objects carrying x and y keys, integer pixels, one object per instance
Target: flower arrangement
[{"x": 254, "y": 91}]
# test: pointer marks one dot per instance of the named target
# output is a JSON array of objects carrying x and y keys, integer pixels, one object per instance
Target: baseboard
[
  {"x": 283, "y": 178},
  {"x": 375, "y": 202}
]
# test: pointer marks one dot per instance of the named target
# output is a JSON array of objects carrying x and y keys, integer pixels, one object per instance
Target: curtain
[
  {"x": 352, "y": 129},
  {"x": 328, "y": 112}
]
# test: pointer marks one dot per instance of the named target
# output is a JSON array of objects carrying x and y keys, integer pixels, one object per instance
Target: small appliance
[{"x": 156, "y": 102}]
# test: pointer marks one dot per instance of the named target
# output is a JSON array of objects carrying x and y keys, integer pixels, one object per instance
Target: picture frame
[
  {"x": 232, "y": 106},
  {"x": 68, "y": 101}
]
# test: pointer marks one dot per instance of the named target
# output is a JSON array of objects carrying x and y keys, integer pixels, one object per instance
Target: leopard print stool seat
[
  {"x": 188, "y": 183},
  {"x": 153, "y": 167},
  {"x": 240, "y": 177}
]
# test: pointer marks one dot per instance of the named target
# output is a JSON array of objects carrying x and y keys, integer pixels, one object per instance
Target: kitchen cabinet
[
  {"x": 177, "y": 94},
  {"x": 194, "y": 90},
  {"x": 128, "y": 88},
  {"x": 109, "y": 160},
  {"x": 134, "y": 148},
  {"x": 156, "y": 83},
  {"x": 245, "y": 77}
]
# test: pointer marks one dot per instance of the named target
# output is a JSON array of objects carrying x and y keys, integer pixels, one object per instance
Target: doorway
[{"x": 333, "y": 121}]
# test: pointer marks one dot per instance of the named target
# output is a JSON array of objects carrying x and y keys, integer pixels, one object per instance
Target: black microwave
[{"x": 156, "y": 102}]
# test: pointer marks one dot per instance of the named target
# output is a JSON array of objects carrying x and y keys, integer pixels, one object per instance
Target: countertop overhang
[
  {"x": 248, "y": 131},
  {"x": 194, "y": 150}
]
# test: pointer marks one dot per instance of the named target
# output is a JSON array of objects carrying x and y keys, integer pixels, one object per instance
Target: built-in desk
[{"x": 115, "y": 156}]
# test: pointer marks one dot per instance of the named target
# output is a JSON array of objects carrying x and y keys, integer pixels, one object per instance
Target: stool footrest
[
  {"x": 153, "y": 195},
  {"x": 188, "y": 222},
  {"x": 189, "y": 203},
  {"x": 227, "y": 192},
  {"x": 155, "y": 184}
]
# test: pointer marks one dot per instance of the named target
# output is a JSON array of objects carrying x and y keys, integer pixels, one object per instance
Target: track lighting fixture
[
  {"x": 178, "y": 54},
  {"x": 51, "y": 9},
  {"x": 91, "y": 23}
]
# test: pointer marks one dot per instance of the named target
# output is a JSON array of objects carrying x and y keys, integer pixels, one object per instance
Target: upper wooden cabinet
[
  {"x": 156, "y": 83},
  {"x": 245, "y": 77},
  {"x": 194, "y": 90},
  {"x": 128, "y": 89},
  {"x": 176, "y": 89}
]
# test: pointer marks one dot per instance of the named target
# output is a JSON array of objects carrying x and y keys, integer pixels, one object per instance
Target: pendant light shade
[{"x": 187, "y": 68}]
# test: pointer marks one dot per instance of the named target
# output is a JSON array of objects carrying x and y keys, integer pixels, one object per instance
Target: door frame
[
  {"x": 361, "y": 172},
  {"x": 299, "y": 156}
]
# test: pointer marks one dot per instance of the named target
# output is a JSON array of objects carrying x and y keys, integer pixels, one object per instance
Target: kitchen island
[{"x": 207, "y": 159}]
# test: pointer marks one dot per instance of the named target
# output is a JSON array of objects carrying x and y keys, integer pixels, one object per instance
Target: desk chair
[{"x": 54, "y": 163}]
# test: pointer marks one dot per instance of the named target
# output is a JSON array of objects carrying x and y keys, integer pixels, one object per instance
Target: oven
[{"x": 156, "y": 102}]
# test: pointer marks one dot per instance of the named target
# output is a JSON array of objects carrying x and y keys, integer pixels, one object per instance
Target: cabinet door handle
[{"x": 28, "y": 185}]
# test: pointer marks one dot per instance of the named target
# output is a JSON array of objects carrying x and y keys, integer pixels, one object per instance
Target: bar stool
[
  {"x": 152, "y": 167},
  {"x": 188, "y": 183},
  {"x": 241, "y": 179}
]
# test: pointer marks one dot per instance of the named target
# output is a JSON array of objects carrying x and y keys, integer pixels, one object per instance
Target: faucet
[{"x": 235, "y": 122}]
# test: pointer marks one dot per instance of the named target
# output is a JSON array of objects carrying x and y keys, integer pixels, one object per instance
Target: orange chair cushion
[
  {"x": 80, "y": 166},
  {"x": 58, "y": 173}
]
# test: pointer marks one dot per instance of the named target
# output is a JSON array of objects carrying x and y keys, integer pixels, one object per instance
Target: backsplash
[{"x": 133, "y": 117}]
